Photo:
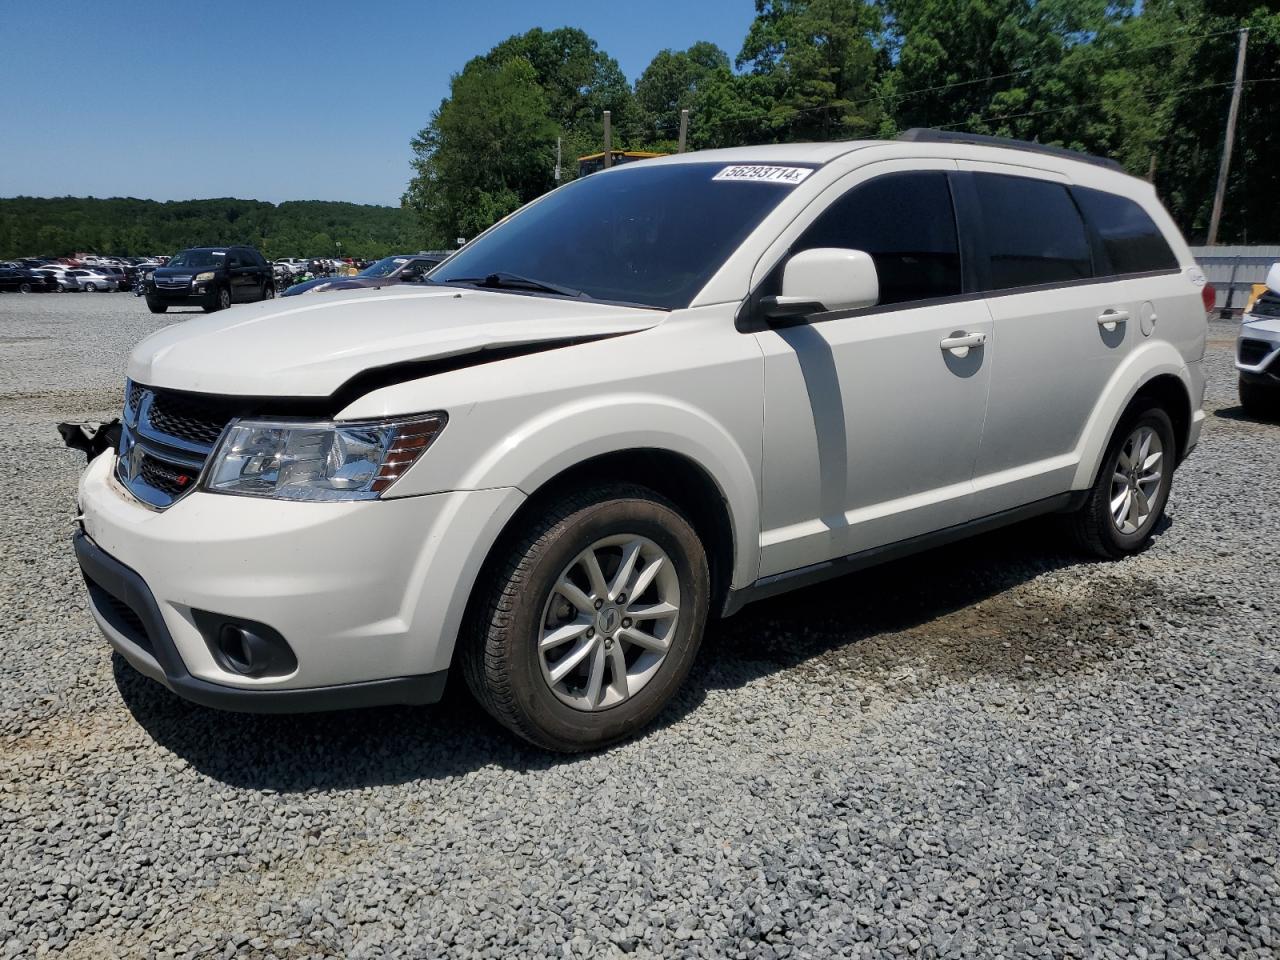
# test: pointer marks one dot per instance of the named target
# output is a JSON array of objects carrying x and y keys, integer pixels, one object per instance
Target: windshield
[
  {"x": 199, "y": 258},
  {"x": 650, "y": 235},
  {"x": 383, "y": 267}
]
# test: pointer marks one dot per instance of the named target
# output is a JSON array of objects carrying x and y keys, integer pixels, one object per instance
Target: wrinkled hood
[
  {"x": 311, "y": 346},
  {"x": 325, "y": 284}
]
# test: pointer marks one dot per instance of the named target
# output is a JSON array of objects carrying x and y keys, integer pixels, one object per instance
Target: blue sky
[{"x": 269, "y": 100}]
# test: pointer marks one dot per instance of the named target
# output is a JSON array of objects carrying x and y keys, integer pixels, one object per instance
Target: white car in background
[
  {"x": 645, "y": 399},
  {"x": 1258, "y": 350}
]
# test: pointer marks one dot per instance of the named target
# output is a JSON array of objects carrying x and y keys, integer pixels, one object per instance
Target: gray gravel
[{"x": 990, "y": 750}]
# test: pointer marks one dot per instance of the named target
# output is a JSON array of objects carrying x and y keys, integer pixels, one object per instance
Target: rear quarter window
[{"x": 1131, "y": 241}]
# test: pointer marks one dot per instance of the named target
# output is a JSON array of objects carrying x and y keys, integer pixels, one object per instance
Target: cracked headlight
[{"x": 293, "y": 460}]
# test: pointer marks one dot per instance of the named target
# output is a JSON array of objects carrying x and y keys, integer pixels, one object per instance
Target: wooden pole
[
  {"x": 608, "y": 139},
  {"x": 1218, "y": 195},
  {"x": 684, "y": 130}
]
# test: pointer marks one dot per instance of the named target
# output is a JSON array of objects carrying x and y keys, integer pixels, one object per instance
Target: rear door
[
  {"x": 240, "y": 270},
  {"x": 1059, "y": 333}
]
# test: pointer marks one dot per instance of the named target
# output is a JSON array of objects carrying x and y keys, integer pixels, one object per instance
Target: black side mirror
[{"x": 785, "y": 312}]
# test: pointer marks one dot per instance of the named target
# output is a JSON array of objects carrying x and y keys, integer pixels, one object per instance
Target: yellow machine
[{"x": 595, "y": 161}]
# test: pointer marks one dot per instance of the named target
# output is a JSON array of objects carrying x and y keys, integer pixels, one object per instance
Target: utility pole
[
  {"x": 1218, "y": 195},
  {"x": 557, "y": 173},
  {"x": 608, "y": 139},
  {"x": 684, "y": 130}
]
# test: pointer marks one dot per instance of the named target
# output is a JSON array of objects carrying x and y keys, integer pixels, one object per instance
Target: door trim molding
[{"x": 829, "y": 569}]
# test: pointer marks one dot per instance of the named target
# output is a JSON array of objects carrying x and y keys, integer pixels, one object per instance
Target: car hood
[
  {"x": 338, "y": 283},
  {"x": 310, "y": 348},
  {"x": 1270, "y": 326}
]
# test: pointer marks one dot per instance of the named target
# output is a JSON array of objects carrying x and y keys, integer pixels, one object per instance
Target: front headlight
[
  {"x": 319, "y": 461},
  {"x": 202, "y": 277}
]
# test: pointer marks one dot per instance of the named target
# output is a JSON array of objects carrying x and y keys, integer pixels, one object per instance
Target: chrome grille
[
  {"x": 196, "y": 422},
  {"x": 165, "y": 440}
]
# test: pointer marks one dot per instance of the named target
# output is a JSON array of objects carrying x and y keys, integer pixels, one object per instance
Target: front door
[{"x": 873, "y": 418}]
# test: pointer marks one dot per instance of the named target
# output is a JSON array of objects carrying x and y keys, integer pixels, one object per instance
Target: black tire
[
  {"x": 156, "y": 307},
  {"x": 1257, "y": 400},
  {"x": 1092, "y": 525},
  {"x": 268, "y": 291},
  {"x": 499, "y": 655},
  {"x": 90, "y": 287},
  {"x": 24, "y": 288}
]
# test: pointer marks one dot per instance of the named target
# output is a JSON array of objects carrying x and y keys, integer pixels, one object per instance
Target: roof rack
[{"x": 927, "y": 135}]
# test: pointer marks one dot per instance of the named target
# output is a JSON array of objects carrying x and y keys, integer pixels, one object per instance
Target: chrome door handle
[
  {"x": 961, "y": 342},
  {"x": 1109, "y": 319}
]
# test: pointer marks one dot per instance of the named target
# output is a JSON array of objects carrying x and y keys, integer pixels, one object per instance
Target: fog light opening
[
  {"x": 244, "y": 647},
  {"x": 237, "y": 648}
]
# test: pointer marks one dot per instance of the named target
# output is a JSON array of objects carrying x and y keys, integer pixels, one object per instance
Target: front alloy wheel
[
  {"x": 587, "y": 620},
  {"x": 606, "y": 634}
]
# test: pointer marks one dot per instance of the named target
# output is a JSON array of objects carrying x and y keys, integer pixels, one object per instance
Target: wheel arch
[
  {"x": 1160, "y": 375},
  {"x": 675, "y": 476}
]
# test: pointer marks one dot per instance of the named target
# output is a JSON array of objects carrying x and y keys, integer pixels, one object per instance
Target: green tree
[
  {"x": 488, "y": 149},
  {"x": 675, "y": 80},
  {"x": 817, "y": 66}
]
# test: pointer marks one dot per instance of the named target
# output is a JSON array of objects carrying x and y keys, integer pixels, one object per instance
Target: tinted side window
[
  {"x": 1130, "y": 239},
  {"x": 1033, "y": 230},
  {"x": 907, "y": 224}
]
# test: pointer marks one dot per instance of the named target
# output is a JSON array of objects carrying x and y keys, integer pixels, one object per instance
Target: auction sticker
[{"x": 763, "y": 173}]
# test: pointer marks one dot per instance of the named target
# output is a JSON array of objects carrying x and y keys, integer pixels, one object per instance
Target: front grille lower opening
[
  {"x": 122, "y": 617},
  {"x": 1252, "y": 352}
]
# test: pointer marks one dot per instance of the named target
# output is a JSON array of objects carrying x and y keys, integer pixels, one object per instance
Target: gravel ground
[{"x": 990, "y": 750}]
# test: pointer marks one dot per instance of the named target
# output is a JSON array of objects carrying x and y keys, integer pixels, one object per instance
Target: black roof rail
[{"x": 927, "y": 135}]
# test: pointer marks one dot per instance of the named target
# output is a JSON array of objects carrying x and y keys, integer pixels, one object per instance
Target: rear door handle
[
  {"x": 1109, "y": 319},
  {"x": 960, "y": 343}
]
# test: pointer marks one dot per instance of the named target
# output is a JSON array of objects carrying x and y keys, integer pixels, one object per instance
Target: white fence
[{"x": 1233, "y": 270}]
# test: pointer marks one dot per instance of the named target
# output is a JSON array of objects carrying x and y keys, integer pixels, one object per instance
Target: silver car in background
[{"x": 91, "y": 280}]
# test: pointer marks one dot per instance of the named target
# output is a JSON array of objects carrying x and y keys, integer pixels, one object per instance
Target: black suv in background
[
  {"x": 22, "y": 280},
  {"x": 212, "y": 278}
]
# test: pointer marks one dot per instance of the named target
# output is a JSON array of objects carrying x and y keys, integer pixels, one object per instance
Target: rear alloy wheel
[
  {"x": 1128, "y": 498},
  {"x": 591, "y": 621}
]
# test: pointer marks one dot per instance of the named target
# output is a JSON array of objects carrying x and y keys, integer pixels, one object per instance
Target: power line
[
  {"x": 785, "y": 113},
  {"x": 1096, "y": 103}
]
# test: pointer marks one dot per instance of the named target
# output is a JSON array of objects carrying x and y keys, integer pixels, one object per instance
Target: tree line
[
  {"x": 59, "y": 226},
  {"x": 1147, "y": 83}
]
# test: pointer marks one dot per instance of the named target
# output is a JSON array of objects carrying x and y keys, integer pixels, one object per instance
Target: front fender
[
  {"x": 533, "y": 452},
  {"x": 1144, "y": 364}
]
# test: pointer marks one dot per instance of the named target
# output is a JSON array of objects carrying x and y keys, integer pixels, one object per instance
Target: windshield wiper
[{"x": 513, "y": 281}]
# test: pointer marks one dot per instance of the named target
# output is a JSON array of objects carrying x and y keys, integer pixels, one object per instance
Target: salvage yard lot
[{"x": 991, "y": 748}]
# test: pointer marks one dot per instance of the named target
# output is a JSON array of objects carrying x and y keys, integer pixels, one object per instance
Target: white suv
[
  {"x": 647, "y": 398},
  {"x": 1258, "y": 350}
]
